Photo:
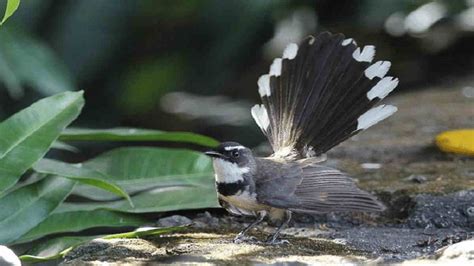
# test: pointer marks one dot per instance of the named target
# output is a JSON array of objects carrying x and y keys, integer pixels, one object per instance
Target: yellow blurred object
[{"x": 457, "y": 141}]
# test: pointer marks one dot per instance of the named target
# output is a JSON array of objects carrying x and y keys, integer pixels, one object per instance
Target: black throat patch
[{"x": 230, "y": 189}]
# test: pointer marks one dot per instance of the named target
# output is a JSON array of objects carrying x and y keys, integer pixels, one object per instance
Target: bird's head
[{"x": 232, "y": 152}]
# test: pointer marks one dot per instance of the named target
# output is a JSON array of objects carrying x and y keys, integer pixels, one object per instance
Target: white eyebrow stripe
[{"x": 234, "y": 148}]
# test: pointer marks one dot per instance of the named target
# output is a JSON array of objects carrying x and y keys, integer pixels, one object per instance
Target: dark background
[{"x": 193, "y": 65}]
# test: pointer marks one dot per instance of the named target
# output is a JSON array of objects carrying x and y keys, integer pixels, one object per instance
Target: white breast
[{"x": 227, "y": 172}]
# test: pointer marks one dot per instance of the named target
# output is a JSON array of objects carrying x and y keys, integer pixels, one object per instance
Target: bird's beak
[{"x": 215, "y": 154}]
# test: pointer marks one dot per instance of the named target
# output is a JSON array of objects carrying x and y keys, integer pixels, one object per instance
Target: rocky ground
[{"x": 429, "y": 194}]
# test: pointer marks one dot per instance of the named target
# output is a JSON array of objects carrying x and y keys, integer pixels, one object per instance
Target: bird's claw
[
  {"x": 243, "y": 238},
  {"x": 276, "y": 241}
]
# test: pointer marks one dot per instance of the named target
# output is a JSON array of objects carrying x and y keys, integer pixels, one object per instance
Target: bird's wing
[
  {"x": 318, "y": 189},
  {"x": 320, "y": 93}
]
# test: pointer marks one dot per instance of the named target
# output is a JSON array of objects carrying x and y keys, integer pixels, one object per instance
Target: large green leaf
[
  {"x": 80, "y": 173},
  {"x": 12, "y": 6},
  {"x": 164, "y": 199},
  {"x": 135, "y": 134},
  {"x": 26, "y": 207},
  {"x": 81, "y": 220},
  {"x": 28, "y": 134},
  {"x": 57, "y": 248},
  {"x": 158, "y": 179}
]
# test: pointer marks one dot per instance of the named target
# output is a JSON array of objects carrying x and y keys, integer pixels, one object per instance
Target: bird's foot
[
  {"x": 275, "y": 241},
  {"x": 244, "y": 239}
]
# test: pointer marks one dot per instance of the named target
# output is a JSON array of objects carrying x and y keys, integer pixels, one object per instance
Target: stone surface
[
  {"x": 431, "y": 212},
  {"x": 175, "y": 220},
  {"x": 8, "y": 257},
  {"x": 210, "y": 248},
  {"x": 463, "y": 251},
  {"x": 429, "y": 195}
]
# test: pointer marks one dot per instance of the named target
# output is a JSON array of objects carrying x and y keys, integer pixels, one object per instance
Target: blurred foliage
[
  {"x": 25, "y": 61},
  {"x": 127, "y": 54},
  {"x": 150, "y": 81}
]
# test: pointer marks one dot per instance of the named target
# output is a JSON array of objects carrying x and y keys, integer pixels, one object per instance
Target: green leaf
[
  {"x": 135, "y": 134},
  {"x": 12, "y": 6},
  {"x": 57, "y": 248},
  {"x": 27, "y": 61},
  {"x": 59, "y": 145},
  {"x": 81, "y": 174},
  {"x": 157, "y": 179},
  {"x": 28, "y": 134},
  {"x": 26, "y": 207},
  {"x": 81, "y": 220}
]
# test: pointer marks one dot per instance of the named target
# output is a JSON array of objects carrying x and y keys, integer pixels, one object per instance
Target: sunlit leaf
[
  {"x": 81, "y": 220},
  {"x": 26, "y": 207},
  {"x": 12, "y": 6},
  {"x": 134, "y": 134},
  {"x": 28, "y": 134},
  {"x": 81, "y": 174}
]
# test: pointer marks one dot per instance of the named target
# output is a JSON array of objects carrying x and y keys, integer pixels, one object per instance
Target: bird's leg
[
  {"x": 273, "y": 239},
  {"x": 241, "y": 236}
]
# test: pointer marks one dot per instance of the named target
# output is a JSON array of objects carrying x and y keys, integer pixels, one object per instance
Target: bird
[{"x": 321, "y": 92}]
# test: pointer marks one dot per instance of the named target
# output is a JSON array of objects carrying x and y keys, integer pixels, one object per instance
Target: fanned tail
[{"x": 320, "y": 93}]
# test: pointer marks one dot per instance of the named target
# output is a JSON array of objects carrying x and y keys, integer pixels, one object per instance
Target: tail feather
[{"x": 321, "y": 93}]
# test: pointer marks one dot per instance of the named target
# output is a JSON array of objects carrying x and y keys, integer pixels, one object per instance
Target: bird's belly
[{"x": 245, "y": 201}]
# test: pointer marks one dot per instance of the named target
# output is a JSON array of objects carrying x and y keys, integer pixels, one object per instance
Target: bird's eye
[{"x": 235, "y": 153}]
